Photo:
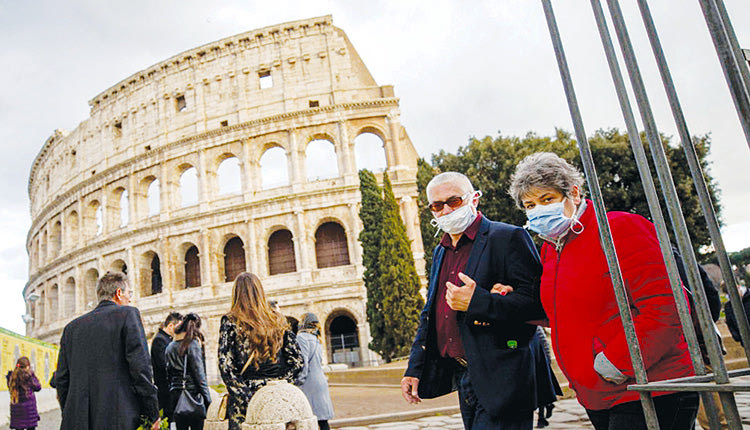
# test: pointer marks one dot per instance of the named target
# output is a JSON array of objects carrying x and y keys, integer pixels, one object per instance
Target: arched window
[
  {"x": 331, "y": 248},
  {"x": 273, "y": 168},
  {"x": 369, "y": 152},
  {"x": 69, "y": 297},
  {"x": 71, "y": 226},
  {"x": 344, "y": 340},
  {"x": 189, "y": 187},
  {"x": 99, "y": 216},
  {"x": 192, "y": 268},
  {"x": 52, "y": 304},
  {"x": 321, "y": 160},
  {"x": 156, "y": 285},
  {"x": 234, "y": 259},
  {"x": 281, "y": 253},
  {"x": 89, "y": 289},
  {"x": 153, "y": 198},
  {"x": 230, "y": 176},
  {"x": 124, "y": 208},
  {"x": 55, "y": 242}
]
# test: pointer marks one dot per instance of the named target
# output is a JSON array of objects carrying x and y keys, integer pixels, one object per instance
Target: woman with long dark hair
[
  {"x": 22, "y": 383},
  {"x": 255, "y": 346},
  {"x": 187, "y": 350}
]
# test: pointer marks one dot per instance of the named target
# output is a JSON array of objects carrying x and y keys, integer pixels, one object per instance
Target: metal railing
[{"x": 738, "y": 79}]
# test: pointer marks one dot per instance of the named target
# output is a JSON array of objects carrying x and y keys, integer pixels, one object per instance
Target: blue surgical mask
[{"x": 549, "y": 220}]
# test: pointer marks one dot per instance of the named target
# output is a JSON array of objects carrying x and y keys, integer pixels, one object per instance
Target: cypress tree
[
  {"x": 398, "y": 282},
  {"x": 371, "y": 214}
]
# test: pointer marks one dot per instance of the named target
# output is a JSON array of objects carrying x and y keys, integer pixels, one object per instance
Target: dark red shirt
[{"x": 454, "y": 261}]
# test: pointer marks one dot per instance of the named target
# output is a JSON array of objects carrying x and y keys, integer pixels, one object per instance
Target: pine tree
[
  {"x": 398, "y": 282},
  {"x": 371, "y": 214}
]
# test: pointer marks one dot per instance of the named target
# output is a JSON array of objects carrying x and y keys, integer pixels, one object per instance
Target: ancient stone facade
[{"x": 241, "y": 154}]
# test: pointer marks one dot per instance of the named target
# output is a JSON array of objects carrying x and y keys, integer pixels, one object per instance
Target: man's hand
[
  {"x": 409, "y": 387},
  {"x": 458, "y": 298},
  {"x": 156, "y": 424},
  {"x": 501, "y": 289}
]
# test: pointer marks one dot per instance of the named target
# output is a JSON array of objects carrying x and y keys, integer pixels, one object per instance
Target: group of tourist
[
  {"x": 489, "y": 290},
  {"x": 488, "y": 287},
  {"x": 104, "y": 373}
]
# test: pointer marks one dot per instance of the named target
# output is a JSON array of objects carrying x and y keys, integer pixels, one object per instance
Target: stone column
[
  {"x": 208, "y": 277},
  {"x": 206, "y": 184},
  {"x": 133, "y": 198},
  {"x": 355, "y": 248},
  {"x": 297, "y": 171},
  {"x": 251, "y": 249},
  {"x": 165, "y": 192},
  {"x": 301, "y": 239}
]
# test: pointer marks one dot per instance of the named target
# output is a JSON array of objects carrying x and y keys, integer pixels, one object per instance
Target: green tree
[
  {"x": 489, "y": 162},
  {"x": 398, "y": 283},
  {"x": 371, "y": 214}
]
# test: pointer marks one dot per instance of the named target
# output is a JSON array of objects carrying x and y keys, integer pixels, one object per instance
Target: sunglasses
[{"x": 452, "y": 202}]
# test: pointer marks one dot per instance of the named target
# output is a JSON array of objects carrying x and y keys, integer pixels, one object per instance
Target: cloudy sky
[{"x": 461, "y": 69}]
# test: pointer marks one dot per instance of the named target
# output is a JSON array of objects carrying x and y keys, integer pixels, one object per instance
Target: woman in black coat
[{"x": 187, "y": 349}]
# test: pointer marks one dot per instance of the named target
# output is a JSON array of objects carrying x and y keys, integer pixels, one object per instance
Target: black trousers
[
  {"x": 675, "y": 412},
  {"x": 185, "y": 424}
]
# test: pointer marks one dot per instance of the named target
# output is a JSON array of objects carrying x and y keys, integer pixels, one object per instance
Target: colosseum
[{"x": 239, "y": 155}]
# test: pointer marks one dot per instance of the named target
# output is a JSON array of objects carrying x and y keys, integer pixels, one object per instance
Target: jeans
[
  {"x": 675, "y": 412},
  {"x": 475, "y": 417}
]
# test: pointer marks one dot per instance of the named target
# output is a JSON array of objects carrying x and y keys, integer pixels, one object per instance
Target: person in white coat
[{"x": 312, "y": 380}]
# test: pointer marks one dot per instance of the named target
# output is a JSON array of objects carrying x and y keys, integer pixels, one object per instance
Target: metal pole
[
  {"x": 601, "y": 215},
  {"x": 675, "y": 212},
  {"x": 728, "y": 64},
  {"x": 695, "y": 170},
  {"x": 655, "y": 208},
  {"x": 739, "y": 58}
]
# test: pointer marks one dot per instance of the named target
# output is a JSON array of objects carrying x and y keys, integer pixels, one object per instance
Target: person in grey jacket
[
  {"x": 312, "y": 380},
  {"x": 187, "y": 348}
]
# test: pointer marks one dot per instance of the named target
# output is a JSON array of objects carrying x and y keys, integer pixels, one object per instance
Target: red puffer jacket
[{"x": 578, "y": 297}]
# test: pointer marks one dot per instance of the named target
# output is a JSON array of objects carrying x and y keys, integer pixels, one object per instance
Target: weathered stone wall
[{"x": 110, "y": 193}]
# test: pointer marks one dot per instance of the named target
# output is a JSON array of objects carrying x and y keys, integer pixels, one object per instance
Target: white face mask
[{"x": 457, "y": 221}]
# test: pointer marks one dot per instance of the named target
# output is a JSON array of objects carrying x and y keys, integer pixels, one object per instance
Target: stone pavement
[{"x": 568, "y": 414}]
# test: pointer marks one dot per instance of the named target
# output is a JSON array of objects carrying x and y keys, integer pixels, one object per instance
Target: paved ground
[{"x": 388, "y": 411}]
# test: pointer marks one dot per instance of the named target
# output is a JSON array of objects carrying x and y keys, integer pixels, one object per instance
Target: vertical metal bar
[
  {"x": 601, "y": 215},
  {"x": 655, "y": 208},
  {"x": 733, "y": 44},
  {"x": 728, "y": 64},
  {"x": 675, "y": 212},
  {"x": 695, "y": 170}
]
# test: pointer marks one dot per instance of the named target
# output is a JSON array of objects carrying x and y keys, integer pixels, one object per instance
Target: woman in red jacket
[{"x": 577, "y": 295}]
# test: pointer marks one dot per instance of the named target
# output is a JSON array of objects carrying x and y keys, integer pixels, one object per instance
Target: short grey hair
[
  {"x": 545, "y": 171},
  {"x": 458, "y": 179},
  {"x": 109, "y": 283}
]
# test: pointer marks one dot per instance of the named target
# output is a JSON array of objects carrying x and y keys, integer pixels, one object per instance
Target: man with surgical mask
[{"x": 469, "y": 338}]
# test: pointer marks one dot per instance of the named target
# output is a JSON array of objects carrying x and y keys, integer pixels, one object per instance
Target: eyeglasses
[{"x": 452, "y": 202}]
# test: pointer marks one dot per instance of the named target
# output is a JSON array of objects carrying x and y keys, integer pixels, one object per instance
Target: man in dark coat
[
  {"x": 468, "y": 337},
  {"x": 159, "y": 362},
  {"x": 103, "y": 371}
]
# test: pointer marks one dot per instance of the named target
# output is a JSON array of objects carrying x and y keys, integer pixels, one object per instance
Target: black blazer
[
  {"x": 104, "y": 371},
  {"x": 494, "y": 334},
  {"x": 158, "y": 360}
]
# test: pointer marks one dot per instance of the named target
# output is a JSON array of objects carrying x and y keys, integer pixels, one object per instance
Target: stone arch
[
  {"x": 229, "y": 174},
  {"x": 369, "y": 151},
  {"x": 281, "y": 258},
  {"x": 149, "y": 197},
  {"x": 342, "y": 334},
  {"x": 69, "y": 297},
  {"x": 189, "y": 185},
  {"x": 53, "y": 303},
  {"x": 71, "y": 228},
  {"x": 93, "y": 219},
  {"x": 90, "y": 280},
  {"x": 192, "y": 268},
  {"x": 274, "y": 167},
  {"x": 119, "y": 265},
  {"x": 234, "y": 258},
  {"x": 42, "y": 319},
  {"x": 321, "y": 160},
  {"x": 118, "y": 207},
  {"x": 331, "y": 245},
  {"x": 55, "y": 239},
  {"x": 150, "y": 268}
]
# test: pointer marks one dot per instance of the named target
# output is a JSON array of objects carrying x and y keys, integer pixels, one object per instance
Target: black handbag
[{"x": 189, "y": 408}]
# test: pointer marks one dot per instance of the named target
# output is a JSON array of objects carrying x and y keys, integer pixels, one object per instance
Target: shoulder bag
[{"x": 189, "y": 408}]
